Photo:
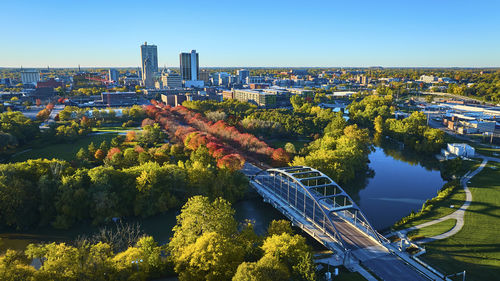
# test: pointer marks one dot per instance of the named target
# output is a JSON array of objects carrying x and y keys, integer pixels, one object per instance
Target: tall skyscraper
[
  {"x": 113, "y": 75},
  {"x": 149, "y": 60},
  {"x": 189, "y": 66}
]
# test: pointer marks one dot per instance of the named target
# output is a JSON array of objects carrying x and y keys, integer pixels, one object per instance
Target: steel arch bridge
[{"x": 318, "y": 199}]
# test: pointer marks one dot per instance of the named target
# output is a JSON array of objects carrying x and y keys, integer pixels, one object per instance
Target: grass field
[
  {"x": 433, "y": 230},
  {"x": 64, "y": 151},
  {"x": 476, "y": 248}
]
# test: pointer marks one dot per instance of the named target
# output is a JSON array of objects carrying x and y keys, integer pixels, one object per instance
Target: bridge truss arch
[{"x": 318, "y": 198}]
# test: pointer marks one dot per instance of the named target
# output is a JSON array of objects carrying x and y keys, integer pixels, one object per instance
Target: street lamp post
[{"x": 136, "y": 262}]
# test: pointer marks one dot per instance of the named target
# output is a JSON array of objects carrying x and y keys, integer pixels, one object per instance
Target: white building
[
  {"x": 242, "y": 75},
  {"x": 255, "y": 79},
  {"x": 428, "y": 78},
  {"x": 459, "y": 149},
  {"x": 30, "y": 76},
  {"x": 171, "y": 80}
]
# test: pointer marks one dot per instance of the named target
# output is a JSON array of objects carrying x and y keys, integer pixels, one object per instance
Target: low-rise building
[
  {"x": 258, "y": 98},
  {"x": 49, "y": 83},
  {"x": 458, "y": 150},
  {"x": 171, "y": 80},
  {"x": 119, "y": 98}
]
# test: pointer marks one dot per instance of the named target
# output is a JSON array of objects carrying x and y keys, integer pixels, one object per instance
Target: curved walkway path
[{"x": 458, "y": 214}]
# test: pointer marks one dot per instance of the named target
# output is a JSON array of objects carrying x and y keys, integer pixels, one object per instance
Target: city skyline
[{"x": 277, "y": 34}]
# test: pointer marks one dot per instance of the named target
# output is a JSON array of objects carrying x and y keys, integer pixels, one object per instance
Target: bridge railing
[{"x": 309, "y": 203}]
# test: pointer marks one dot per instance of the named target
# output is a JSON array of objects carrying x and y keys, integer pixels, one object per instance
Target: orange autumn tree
[{"x": 231, "y": 162}]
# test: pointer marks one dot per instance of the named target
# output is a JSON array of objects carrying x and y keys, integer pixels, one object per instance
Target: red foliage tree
[
  {"x": 280, "y": 157},
  {"x": 147, "y": 121},
  {"x": 130, "y": 136},
  {"x": 112, "y": 152},
  {"x": 232, "y": 162}
]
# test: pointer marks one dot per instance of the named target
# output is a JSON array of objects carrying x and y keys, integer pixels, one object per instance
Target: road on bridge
[{"x": 364, "y": 248}]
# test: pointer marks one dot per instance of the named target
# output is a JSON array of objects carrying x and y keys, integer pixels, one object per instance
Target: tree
[
  {"x": 280, "y": 157},
  {"x": 379, "y": 124},
  {"x": 100, "y": 154},
  {"x": 131, "y": 136},
  {"x": 82, "y": 155},
  {"x": 294, "y": 252},
  {"x": 15, "y": 266},
  {"x": 278, "y": 227},
  {"x": 290, "y": 148},
  {"x": 267, "y": 268},
  {"x": 231, "y": 162},
  {"x": 211, "y": 257}
]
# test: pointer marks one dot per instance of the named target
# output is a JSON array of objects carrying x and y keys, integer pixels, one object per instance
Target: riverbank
[{"x": 476, "y": 248}]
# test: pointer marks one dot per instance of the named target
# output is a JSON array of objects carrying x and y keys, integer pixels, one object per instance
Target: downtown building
[
  {"x": 171, "y": 80},
  {"x": 190, "y": 69},
  {"x": 30, "y": 77},
  {"x": 149, "y": 63},
  {"x": 113, "y": 75}
]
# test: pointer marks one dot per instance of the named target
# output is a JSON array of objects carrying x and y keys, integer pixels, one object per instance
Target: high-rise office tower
[
  {"x": 113, "y": 75},
  {"x": 189, "y": 66},
  {"x": 149, "y": 60}
]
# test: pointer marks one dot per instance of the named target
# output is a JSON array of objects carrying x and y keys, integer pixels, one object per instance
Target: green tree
[{"x": 211, "y": 257}]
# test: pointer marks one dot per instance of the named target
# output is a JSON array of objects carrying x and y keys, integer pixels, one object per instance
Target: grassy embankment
[{"x": 476, "y": 248}]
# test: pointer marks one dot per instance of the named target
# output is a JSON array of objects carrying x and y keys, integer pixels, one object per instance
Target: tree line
[{"x": 208, "y": 244}]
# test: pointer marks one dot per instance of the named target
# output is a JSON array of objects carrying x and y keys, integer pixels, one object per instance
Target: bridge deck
[{"x": 363, "y": 247}]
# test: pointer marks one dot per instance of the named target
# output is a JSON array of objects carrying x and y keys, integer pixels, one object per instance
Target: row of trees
[
  {"x": 52, "y": 192},
  {"x": 413, "y": 131},
  {"x": 284, "y": 123},
  {"x": 375, "y": 112},
  {"x": 135, "y": 113},
  {"x": 224, "y": 142},
  {"x": 208, "y": 244},
  {"x": 61, "y": 261}
]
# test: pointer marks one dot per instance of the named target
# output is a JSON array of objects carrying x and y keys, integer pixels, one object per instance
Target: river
[{"x": 400, "y": 182}]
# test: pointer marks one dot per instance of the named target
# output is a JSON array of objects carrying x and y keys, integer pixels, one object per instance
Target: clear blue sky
[{"x": 38, "y": 33}]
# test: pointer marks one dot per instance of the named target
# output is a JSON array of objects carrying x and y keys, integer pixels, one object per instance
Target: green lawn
[
  {"x": 493, "y": 152},
  {"x": 64, "y": 151},
  {"x": 433, "y": 230},
  {"x": 476, "y": 248}
]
